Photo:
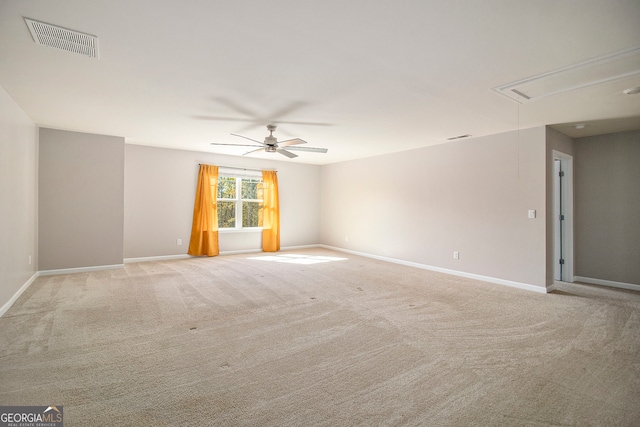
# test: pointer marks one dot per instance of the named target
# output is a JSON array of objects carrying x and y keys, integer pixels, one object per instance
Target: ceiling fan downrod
[{"x": 270, "y": 141}]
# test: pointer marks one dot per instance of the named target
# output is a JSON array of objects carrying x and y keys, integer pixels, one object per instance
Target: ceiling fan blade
[
  {"x": 289, "y": 142},
  {"x": 226, "y": 119},
  {"x": 285, "y": 110},
  {"x": 289, "y": 154},
  {"x": 273, "y": 121},
  {"x": 312, "y": 149},
  {"x": 250, "y": 139},
  {"x": 253, "y": 151},
  {"x": 257, "y": 121},
  {"x": 272, "y": 118},
  {"x": 285, "y": 122},
  {"x": 236, "y": 107},
  {"x": 234, "y": 145}
]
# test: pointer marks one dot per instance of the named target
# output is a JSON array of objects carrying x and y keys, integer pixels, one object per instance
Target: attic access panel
[{"x": 607, "y": 68}]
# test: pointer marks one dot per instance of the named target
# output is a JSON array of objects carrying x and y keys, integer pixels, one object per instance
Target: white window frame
[{"x": 238, "y": 199}]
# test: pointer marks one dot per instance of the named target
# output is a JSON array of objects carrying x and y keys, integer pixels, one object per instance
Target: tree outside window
[{"x": 238, "y": 201}]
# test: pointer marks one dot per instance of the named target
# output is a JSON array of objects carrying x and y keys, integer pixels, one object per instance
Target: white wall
[
  {"x": 470, "y": 196},
  {"x": 160, "y": 189},
  {"x": 18, "y": 198}
]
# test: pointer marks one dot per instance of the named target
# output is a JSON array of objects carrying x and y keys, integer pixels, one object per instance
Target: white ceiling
[{"x": 359, "y": 77}]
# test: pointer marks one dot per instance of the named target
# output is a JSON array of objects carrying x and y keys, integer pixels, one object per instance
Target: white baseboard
[
  {"x": 222, "y": 253},
  {"x": 156, "y": 258},
  {"x": 293, "y": 248},
  {"x": 610, "y": 283},
  {"x": 80, "y": 269},
  {"x": 15, "y": 296},
  {"x": 239, "y": 252},
  {"x": 252, "y": 251},
  {"x": 495, "y": 280}
]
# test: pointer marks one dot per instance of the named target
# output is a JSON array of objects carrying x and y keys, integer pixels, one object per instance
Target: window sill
[{"x": 240, "y": 230}]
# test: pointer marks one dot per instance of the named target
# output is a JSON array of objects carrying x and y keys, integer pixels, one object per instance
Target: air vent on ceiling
[
  {"x": 62, "y": 38},
  {"x": 607, "y": 68},
  {"x": 458, "y": 137}
]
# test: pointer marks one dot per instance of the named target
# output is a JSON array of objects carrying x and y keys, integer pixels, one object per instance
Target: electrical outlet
[
  {"x": 346, "y": 238},
  {"x": 456, "y": 255},
  {"x": 179, "y": 242}
]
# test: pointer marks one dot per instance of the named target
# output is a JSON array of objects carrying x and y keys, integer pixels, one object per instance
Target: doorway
[{"x": 562, "y": 217}]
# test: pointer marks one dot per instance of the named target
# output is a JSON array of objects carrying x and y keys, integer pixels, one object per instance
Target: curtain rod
[{"x": 242, "y": 169}]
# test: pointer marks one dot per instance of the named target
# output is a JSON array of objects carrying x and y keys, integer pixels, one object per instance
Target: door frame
[{"x": 566, "y": 165}]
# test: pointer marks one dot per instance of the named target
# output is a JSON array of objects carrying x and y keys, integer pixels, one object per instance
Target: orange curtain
[
  {"x": 204, "y": 230},
  {"x": 270, "y": 212}
]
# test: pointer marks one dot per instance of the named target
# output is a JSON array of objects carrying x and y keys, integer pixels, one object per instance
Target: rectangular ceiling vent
[
  {"x": 453, "y": 138},
  {"x": 604, "y": 69},
  {"x": 62, "y": 38}
]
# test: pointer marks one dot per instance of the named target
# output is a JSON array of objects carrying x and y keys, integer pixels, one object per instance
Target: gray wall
[
  {"x": 18, "y": 198},
  {"x": 470, "y": 196},
  {"x": 160, "y": 189},
  {"x": 607, "y": 207},
  {"x": 101, "y": 200},
  {"x": 81, "y": 200}
]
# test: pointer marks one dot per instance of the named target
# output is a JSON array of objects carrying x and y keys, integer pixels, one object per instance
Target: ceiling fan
[{"x": 271, "y": 145}]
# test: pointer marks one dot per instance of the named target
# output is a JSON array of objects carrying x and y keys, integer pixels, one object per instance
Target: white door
[
  {"x": 558, "y": 260},
  {"x": 563, "y": 216}
]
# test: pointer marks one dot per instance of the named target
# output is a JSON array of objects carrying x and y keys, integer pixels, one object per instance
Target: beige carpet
[{"x": 239, "y": 341}]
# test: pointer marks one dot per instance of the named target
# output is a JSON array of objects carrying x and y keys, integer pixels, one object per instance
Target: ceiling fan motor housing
[{"x": 271, "y": 141}]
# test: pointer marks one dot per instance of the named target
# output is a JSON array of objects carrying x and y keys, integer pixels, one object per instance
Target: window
[{"x": 238, "y": 201}]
